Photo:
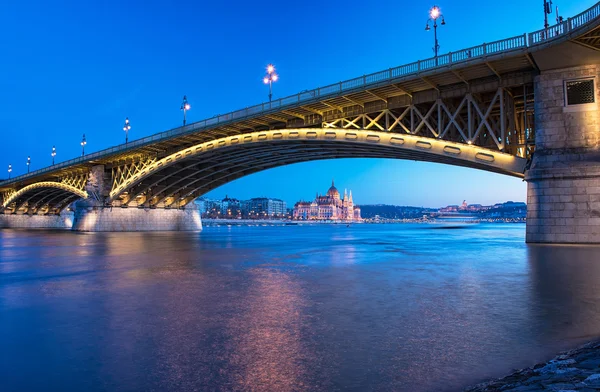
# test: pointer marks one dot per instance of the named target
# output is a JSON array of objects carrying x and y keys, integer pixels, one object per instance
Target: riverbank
[
  {"x": 268, "y": 222},
  {"x": 287, "y": 222},
  {"x": 575, "y": 370}
]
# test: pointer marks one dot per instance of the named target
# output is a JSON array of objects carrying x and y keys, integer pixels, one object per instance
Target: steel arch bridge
[{"x": 474, "y": 108}]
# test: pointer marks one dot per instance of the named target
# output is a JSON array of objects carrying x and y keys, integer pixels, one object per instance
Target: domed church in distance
[{"x": 328, "y": 207}]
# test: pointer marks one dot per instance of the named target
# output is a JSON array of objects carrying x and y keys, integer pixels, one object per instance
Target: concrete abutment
[{"x": 563, "y": 182}]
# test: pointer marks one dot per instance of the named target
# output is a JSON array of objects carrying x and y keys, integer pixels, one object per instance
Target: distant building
[
  {"x": 328, "y": 207},
  {"x": 206, "y": 205},
  {"x": 230, "y": 207},
  {"x": 265, "y": 207}
]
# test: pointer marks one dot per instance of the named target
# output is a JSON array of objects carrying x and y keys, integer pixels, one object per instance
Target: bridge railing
[
  {"x": 584, "y": 17},
  {"x": 560, "y": 29},
  {"x": 476, "y": 52}
]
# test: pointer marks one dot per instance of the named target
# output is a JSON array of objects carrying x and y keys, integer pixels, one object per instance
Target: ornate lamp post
[
  {"x": 53, "y": 154},
  {"x": 28, "y": 163},
  {"x": 269, "y": 78},
  {"x": 9, "y": 171},
  {"x": 547, "y": 11},
  {"x": 434, "y": 14},
  {"x": 83, "y": 143},
  {"x": 185, "y": 106},
  {"x": 126, "y": 128}
]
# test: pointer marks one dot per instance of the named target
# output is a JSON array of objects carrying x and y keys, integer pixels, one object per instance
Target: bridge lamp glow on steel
[
  {"x": 53, "y": 154},
  {"x": 434, "y": 14},
  {"x": 9, "y": 171},
  {"x": 127, "y": 127},
  {"x": 185, "y": 106},
  {"x": 83, "y": 143},
  {"x": 28, "y": 163},
  {"x": 269, "y": 78}
]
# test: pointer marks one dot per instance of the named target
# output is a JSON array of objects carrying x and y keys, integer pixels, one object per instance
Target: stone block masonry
[
  {"x": 93, "y": 218},
  {"x": 64, "y": 221},
  {"x": 563, "y": 190}
]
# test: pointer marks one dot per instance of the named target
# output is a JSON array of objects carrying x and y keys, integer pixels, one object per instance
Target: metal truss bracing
[
  {"x": 5, "y": 195},
  {"x": 76, "y": 180},
  {"x": 47, "y": 197},
  {"x": 493, "y": 120},
  {"x": 177, "y": 179},
  {"x": 120, "y": 174}
]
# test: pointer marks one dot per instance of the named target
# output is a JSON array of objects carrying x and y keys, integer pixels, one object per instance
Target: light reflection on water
[{"x": 366, "y": 307}]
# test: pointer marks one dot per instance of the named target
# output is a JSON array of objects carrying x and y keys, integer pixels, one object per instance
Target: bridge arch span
[
  {"x": 180, "y": 177},
  {"x": 49, "y": 196}
]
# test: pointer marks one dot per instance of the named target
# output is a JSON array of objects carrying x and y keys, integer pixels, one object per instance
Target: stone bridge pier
[
  {"x": 92, "y": 214},
  {"x": 563, "y": 182}
]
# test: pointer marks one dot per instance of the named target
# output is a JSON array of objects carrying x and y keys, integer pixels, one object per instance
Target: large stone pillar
[
  {"x": 93, "y": 214},
  {"x": 96, "y": 218},
  {"x": 64, "y": 221},
  {"x": 563, "y": 182}
]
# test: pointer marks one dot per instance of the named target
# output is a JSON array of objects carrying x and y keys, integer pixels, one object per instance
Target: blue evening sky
[{"x": 74, "y": 67}]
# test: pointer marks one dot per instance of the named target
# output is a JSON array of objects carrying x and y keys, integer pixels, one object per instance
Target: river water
[{"x": 288, "y": 308}]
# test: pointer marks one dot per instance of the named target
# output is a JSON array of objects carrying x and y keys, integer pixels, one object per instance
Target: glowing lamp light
[
  {"x": 185, "y": 106},
  {"x": 434, "y": 12},
  {"x": 127, "y": 126},
  {"x": 269, "y": 78}
]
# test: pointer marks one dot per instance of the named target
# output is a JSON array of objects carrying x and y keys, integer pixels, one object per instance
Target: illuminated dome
[{"x": 333, "y": 192}]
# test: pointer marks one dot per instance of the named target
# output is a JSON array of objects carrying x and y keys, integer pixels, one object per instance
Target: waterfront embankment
[{"x": 575, "y": 370}]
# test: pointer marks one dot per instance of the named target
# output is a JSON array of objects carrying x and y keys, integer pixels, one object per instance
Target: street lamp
[
  {"x": 83, "y": 143},
  {"x": 9, "y": 171},
  {"x": 53, "y": 154},
  {"x": 185, "y": 106},
  {"x": 269, "y": 78},
  {"x": 126, "y": 128},
  {"x": 28, "y": 163},
  {"x": 434, "y": 14}
]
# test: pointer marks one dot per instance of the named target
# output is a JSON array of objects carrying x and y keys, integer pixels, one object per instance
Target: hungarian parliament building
[{"x": 328, "y": 207}]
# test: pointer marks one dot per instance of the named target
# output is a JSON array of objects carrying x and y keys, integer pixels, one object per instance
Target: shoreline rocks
[{"x": 574, "y": 370}]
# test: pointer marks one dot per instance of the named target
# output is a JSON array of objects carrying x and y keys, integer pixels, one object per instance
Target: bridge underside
[
  {"x": 42, "y": 200},
  {"x": 181, "y": 182}
]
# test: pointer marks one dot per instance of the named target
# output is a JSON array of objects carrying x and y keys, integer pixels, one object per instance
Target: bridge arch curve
[
  {"x": 55, "y": 195},
  {"x": 180, "y": 177}
]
